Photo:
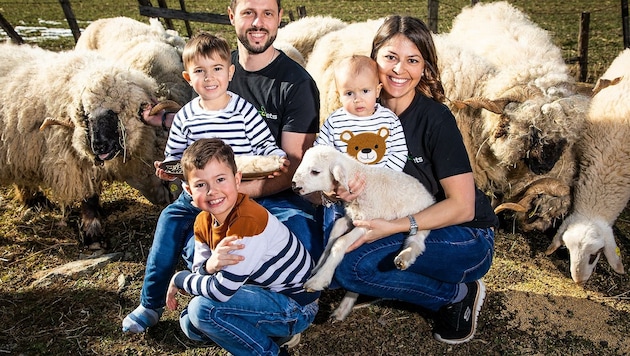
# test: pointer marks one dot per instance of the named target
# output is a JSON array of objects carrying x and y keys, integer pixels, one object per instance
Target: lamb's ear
[
  {"x": 612, "y": 251},
  {"x": 339, "y": 173},
  {"x": 557, "y": 239}
]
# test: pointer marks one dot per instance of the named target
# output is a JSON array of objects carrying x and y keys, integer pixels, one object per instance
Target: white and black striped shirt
[{"x": 238, "y": 125}]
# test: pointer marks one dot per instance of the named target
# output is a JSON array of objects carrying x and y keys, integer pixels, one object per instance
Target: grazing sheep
[
  {"x": 388, "y": 194},
  {"x": 69, "y": 121},
  {"x": 145, "y": 47},
  {"x": 603, "y": 186},
  {"x": 303, "y": 33}
]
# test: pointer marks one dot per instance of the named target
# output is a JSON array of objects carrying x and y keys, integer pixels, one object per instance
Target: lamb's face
[
  {"x": 585, "y": 247},
  {"x": 314, "y": 173}
]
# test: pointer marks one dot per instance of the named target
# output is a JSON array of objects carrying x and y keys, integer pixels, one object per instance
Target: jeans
[
  {"x": 174, "y": 229},
  {"x": 453, "y": 255},
  {"x": 300, "y": 216},
  {"x": 245, "y": 323},
  {"x": 174, "y": 237}
]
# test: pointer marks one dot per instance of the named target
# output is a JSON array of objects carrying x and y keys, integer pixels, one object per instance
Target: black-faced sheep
[
  {"x": 145, "y": 47},
  {"x": 603, "y": 187},
  {"x": 388, "y": 194},
  {"x": 69, "y": 121},
  {"x": 532, "y": 115}
]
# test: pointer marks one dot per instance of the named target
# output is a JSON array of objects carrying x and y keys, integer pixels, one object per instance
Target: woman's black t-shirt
[{"x": 437, "y": 151}]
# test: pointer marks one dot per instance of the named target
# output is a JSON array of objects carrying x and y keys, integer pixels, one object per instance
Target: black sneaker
[{"x": 456, "y": 323}]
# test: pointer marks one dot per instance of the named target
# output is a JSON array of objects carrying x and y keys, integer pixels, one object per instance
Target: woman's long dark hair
[{"x": 418, "y": 33}]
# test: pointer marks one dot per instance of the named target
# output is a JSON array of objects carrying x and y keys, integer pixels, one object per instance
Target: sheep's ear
[
  {"x": 340, "y": 174},
  {"x": 557, "y": 239},
  {"x": 612, "y": 252}
]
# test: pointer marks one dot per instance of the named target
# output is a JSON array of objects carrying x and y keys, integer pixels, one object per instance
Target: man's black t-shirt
[
  {"x": 437, "y": 151},
  {"x": 283, "y": 92}
]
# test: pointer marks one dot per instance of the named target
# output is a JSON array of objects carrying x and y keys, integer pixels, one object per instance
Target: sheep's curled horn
[
  {"x": 168, "y": 105},
  {"x": 49, "y": 121},
  {"x": 517, "y": 94},
  {"x": 545, "y": 185}
]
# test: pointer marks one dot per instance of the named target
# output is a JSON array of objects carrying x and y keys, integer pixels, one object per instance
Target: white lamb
[
  {"x": 603, "y": 187},
  {"x": 145, "y": 47},
  {"x": 388, "y": 195}
]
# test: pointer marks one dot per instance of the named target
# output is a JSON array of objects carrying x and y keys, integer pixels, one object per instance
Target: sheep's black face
[
  {"x": 543, "y": 155},
  {"x": 103, "y": 136}
]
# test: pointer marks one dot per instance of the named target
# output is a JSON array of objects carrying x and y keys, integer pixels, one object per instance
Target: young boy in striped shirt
[
  {"x": 216, "y": 112},
  {"x": 242, "y": 306}
]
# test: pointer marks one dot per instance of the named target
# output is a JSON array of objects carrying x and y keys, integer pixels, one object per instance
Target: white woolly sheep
[
  {"x": 69, "y": 121},
  {"x": 303, "y": 33},
  {"x": 603, "y": 186},
  {"x": 145, "y": 47},
  {"x": 388, "y": 194}
]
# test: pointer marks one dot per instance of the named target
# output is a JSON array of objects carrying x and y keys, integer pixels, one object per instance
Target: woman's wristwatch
[{"x": 413, "y": 228}]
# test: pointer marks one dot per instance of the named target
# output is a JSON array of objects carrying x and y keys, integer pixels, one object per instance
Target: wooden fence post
[
  {"x": 585, "y": 21},
  {"x": 188, "y": 28},
  {"x": 72, "y": 21},
  {"x": 6, "y": 26},
  {"x": 433, "y": 15},
  {"x": 625, "y": 23},
  {"x": 169, "y": 23}
]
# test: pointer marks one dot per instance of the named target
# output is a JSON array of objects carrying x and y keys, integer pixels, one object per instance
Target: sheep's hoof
[
  {"x": 402, "y": 261},
  {"x": 314, "y": 285}
]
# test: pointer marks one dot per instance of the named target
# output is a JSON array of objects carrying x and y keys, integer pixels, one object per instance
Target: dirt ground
[{"x": 532, "y": 305}]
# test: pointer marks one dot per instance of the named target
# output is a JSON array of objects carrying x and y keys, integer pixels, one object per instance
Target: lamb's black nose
[{"x": 295, "y": 187}]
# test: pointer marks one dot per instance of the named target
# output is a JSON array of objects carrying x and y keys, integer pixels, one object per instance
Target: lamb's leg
[
  {"x": 414, "y": 247},
  {"x": 346, "y": 305},
  {"x": 340, "y": 227},
  {"x": 91, "y": 227},
  {"x": 325, "y": 273}
]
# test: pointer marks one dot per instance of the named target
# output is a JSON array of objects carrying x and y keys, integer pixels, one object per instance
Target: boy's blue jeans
[
  {"x": 453, "y": 255},
  {"x": 173, "y": 231},
  {"x": 174, "y": 238},
  {"x": 244, "y": 324}
]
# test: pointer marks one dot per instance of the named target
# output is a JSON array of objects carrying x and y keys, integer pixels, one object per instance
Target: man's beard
[{"x": 255, "y": 49}]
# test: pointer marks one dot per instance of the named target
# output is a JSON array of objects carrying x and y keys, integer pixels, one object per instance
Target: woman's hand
[
  {"x": 222, "y": 255},
  {"x": 376, "y": 229},
  {"x": 356, "y": 185}
]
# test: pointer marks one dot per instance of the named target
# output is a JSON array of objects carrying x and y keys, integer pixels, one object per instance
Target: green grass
[{"x": 560, "y": 18}]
